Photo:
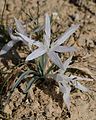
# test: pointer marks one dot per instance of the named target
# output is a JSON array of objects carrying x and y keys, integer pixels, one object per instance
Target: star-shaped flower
[
  {"x": 14, "y": 38},
  {"x": 51, "y": 48},
  {"x": 65, "y": 82}
]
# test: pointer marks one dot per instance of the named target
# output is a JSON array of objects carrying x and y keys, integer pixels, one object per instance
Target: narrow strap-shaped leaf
[
  {"x": 22, "y": 77},
  {"x": 43, "y": 62},
  {"x": 29, "y": 84},
  {"x": 40, "y": 69}
]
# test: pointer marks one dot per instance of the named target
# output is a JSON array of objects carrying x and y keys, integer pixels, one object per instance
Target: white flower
[
  {"x": 14, "y": 38},
  {"x": 65, "y": 82},
  {"x": 52, "y": 48}
]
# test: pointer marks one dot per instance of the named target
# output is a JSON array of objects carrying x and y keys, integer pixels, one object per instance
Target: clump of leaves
[{"x": 45, "y": 58}]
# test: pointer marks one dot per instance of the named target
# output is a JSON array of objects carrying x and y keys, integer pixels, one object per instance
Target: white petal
[
  {"x": 47, "y": 29},
  {"x": 30, "y": 41},
  {"x": 7, "y": 47},
  {"x": 37, "y": 43},
  {"x": 66, "y": 35},
  {"x": 55, "y": 59},
  {"x": 65, "y": 89},
  {"x": 20, "y": 27},
  {"x": 13, "y": 37},
  {"x": 80, "y": 78},
  {"x": 66, "y": 98},
  {"x": 63, "y": 78},
  {"x": 59, "y": 77},
  {"x": 36, "y": 53},
  {"x": 16, "y": 38},
  {"x": 64, "y": 49},
  {"x": 66, "y": 63},
  {"x": 47, "y": 25},
  {"x": 65, "y": 66},
  {"x": 25, "y": 38},
  {"x": 81, "y": 87},
  {"x": 67, "y": 79},
  {"x": 46, "y": 41}
]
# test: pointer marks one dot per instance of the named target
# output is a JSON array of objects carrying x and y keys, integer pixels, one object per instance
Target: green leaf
[
  {"x": 29, "y": 84},
  {"x": 22, "y": 77}
]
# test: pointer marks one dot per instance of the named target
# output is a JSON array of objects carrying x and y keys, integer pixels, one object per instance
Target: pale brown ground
[{"x": 44, "y": 103}]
